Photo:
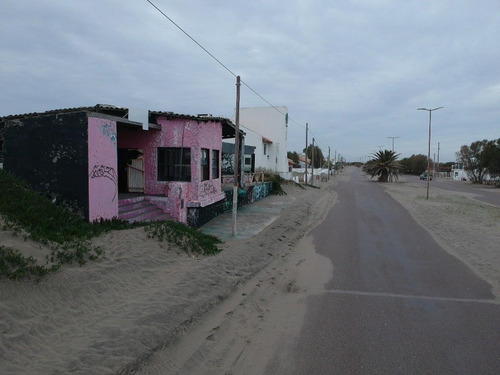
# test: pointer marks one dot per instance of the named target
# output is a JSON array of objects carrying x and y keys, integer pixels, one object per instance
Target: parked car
[{"x": 423, "y": 176}]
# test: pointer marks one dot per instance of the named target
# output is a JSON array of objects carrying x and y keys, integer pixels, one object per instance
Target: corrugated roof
[
  {"x": 119, "y": 112},
  {"x": 103, "y": 108},
  {"x": 204, "y": 118},
  {"x": 228, "y": 128}
]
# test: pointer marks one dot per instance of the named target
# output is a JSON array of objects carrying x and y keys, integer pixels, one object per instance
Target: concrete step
[
  {"x": 157, "y": 215},
  {"x": 123, "y": 208},
  {"x": 139, "y": 209}
]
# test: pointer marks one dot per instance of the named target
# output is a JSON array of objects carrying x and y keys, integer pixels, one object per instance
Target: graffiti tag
[
  {"x": 109, "y": 132},
  {"x": 207, "y": 189},
  {"x": 103, "y": 171}
]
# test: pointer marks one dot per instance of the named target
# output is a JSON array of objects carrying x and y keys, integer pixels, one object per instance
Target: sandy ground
[
  {"x": 149, "y": 308},
  {"x": 463, "y": 226}
]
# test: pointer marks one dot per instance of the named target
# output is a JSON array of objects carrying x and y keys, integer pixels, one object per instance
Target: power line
[
  {"x": 319, "y": 143},
  {"x": 190, "y": 37},
  {"x": 219, "y": 62}
]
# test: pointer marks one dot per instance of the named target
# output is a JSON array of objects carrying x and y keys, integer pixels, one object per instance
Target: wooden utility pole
[
  {"x": 312, "y": 164},
  {"x": 307, "y": 127},
  {"x": 329, "y": 163},
  {"x": 335, "y": 163},
  {"x": 236, "y": 155}
]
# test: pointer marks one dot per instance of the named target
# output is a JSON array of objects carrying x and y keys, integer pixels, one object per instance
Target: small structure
[
  {"x": 303, "y": 160},
  {"x": 105, "y": 165},
  {"x": 248, "y": 159},
  {"x": 458, "y": 173}
]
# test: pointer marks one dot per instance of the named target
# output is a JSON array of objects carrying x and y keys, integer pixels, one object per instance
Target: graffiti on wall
[
  {"x": 108, "y": 131},
  {"x": 103, "y": 171},
  {"x": 207, "y": 189},
  {"x": 198, "y": 216},
  {"x": 247, "y": 195},
  {"x": 261, "y": 191},
  {"x": 227, "y": 164}
]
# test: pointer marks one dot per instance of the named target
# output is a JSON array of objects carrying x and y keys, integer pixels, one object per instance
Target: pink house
[
  {"x": 109, "y": 166},
  {"x": 181, "y": 163}
]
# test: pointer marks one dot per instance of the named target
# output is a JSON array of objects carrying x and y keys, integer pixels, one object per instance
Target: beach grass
[{"x": 36, "y": 217}]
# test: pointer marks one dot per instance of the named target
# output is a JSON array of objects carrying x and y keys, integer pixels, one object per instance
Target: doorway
[{"x": 130, "y": 170}]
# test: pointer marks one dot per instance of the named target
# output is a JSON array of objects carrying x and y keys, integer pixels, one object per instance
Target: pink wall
[
  {"x": 187, "y": 133},
  {"x": 103, "y": 178}
]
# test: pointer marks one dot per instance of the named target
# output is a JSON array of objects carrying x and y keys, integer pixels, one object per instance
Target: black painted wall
[
  {"x": 197, "y": 216},
  {"x": 51, "y": 153}
]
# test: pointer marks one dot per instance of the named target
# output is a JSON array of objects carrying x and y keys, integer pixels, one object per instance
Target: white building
[
  {"x": 458, "y": 173},
  {"x": 266, "y": 129}
]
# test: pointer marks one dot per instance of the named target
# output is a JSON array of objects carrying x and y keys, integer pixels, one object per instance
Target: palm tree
[{"x": 383, "y": 164}]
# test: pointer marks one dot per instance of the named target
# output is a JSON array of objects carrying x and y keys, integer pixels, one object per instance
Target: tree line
[
  {"x": 318, "y": 158},
  {"x": 480, "y": 159}
]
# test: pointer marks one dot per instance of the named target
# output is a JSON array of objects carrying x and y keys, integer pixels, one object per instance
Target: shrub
[
  {"x": 189, "y": 239},
  {"x": 34, "y": 215},
  {"x": 277, "y": 181},
  {"x": 14, "y": 265}
]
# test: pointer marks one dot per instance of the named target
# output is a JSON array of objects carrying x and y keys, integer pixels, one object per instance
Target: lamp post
[
  {"x": 429, "y": 150},
  {"x": 393, "y": 142}
]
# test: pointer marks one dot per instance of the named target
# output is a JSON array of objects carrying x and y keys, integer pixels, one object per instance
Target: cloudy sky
[{"x": 356, "y": 71}]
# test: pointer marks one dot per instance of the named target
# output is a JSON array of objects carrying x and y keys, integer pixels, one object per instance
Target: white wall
[
  {"x": 459, "y": 174},
  {"x": 267, "y": 122}
]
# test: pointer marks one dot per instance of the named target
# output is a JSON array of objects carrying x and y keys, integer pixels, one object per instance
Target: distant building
[
  {"x": 303, "y": 161},
  {"x": 266, "y": 129},
  {"x": 458, "y": 173},
  {"x": 228, "y": 158}
]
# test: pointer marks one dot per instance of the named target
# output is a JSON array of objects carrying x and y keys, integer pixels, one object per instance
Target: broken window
[
  {"x": 174, "y": 164},
  {"x": 205, "y": 166},
  {"x": 215, "y": 164}
]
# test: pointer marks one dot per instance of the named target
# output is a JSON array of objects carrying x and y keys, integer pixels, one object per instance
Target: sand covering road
[{"x": 115, "y": 314}]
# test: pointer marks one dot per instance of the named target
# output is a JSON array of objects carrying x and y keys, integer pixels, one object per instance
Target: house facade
[
  {"x": 248, "y": 156},
  {"x": 95, "y": 159},
  {"x": 266, "y": 129},
  {"x": 458, "y": 173},
  {"x": 303, "y": 161}
]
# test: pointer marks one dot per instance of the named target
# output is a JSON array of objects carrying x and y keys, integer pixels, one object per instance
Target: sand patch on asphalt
[
  {"x": 244, "y": 333},
  {"x": 463, "y": 226},
  {"x": 117, "y": 314}
]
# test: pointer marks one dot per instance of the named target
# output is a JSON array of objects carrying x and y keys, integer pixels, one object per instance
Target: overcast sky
[{"x": 356, "y": 71}]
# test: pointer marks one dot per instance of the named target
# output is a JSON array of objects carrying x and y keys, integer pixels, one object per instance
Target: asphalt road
[{"x": 397, "y": 302}]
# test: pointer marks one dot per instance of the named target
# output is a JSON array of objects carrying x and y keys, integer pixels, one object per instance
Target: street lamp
[
  {"x": 429, "y": 150},
  {"x": 392, "y": 142}
]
